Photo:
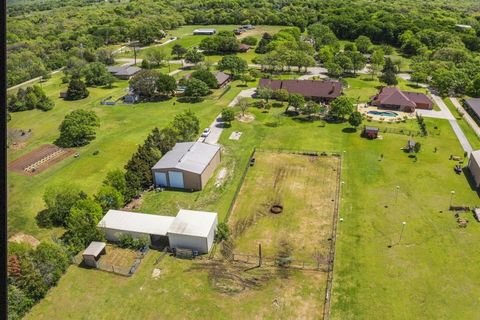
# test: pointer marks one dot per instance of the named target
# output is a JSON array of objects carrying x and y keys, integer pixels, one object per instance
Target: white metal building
[{"x": 193, "y": 230}]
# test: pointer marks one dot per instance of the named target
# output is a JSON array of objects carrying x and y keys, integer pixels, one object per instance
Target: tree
[
  {"x": 78, "y": 128},
  {"x": 344, "y": 61},
  {"x": 310, "y": 108},
  {"x": 341, "y": 107},
  {"x": 59, "y": 199},
  {"x": 234, "y": 64},
  {"x": 195, "y": 89},
  {"x": 169, "y": 138},
  {"x": 178, "y": 50},
  {"x": 186, "y": 125},
  {"x": 194, "y": 56},
  {"x": 156, "y": 56},
  {"x": 228, "y": 115},
  {"x": 355, "y": 119},
  {"x": 264, "y": 93},
  {"x": 281, "y": 94},
  {"x": 138, "y": 174},
  {"x": 144, "y": 83},
  {"x": 475, "y": 87},
  {"x": 389, "y": 73},
  {"x": 246, "y": 77},
  {"x": 166, "y": 84},
  {"x": 206, "y": 76},
  {"x": 419, "y": 76},
  {"x": 96, "y": 74},
  {"x": 105, "y": 56},
  {"x": 76, "y": 90},
  {"x": 243, "y": 104},
  {"x": 82, "y": 224},
  {"x": 358, "y": 61},
  {"x": 296, "y": 101},
  {"x": 28, "y": 99},
  {"x": 443, "y": 81},
  {"x": 334, "y": 70},
  {"x": 51, "y": 261},
  {"x": 109, "y": 198},
  {"x": 363, "y": 44},
  {"x": 222, "y": 232},
  {"x": 417, "y": 147},
  {"x": 146, "y": 34},
  {"x": 116, "y": 180},
  {"x": 250, "y": 40}
]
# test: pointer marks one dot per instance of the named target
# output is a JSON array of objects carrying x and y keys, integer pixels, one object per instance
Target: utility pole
[
  {"x": 452, "y": 193},
  {"x": 401, "y": 232}
]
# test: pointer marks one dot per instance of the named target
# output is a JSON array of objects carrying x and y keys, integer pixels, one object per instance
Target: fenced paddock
[
  {"x": 117, "y": 260},
  {"x": 306, "y": 184}
]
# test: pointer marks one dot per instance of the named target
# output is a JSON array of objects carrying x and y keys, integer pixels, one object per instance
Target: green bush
[{"x": 129, "y": 242}]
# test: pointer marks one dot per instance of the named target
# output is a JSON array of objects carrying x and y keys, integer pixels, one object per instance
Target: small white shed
[
  {"x": 193, "y": 230},
  {"x": 93, "y": 252}
]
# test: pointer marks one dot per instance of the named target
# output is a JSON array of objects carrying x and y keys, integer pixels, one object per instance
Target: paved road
[
  {"x": 446, "y": 114},
  {"x": 216, "y": 129},
  {"x": 466, "y": 116},
  {"x": 248, "y": 93}
]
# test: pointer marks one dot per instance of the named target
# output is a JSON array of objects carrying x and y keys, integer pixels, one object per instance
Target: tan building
[
  {"x": 474, "y": 166},
  {"x": 188, "y": 166}
]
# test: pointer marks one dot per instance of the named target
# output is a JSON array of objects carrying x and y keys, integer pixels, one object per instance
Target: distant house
[
  {"x": 243, "y": 47},
  {"x": 193, "y": 230},
  {"x": 370, "y": 132},
  {"x": 317, "y": 90},
  {"x": 123, "y": 72},
  {"x": 222, "y": 78},
  {"x": 204, "y": 32},
  {"x": 474, "y": 166},
  {"x": 396, "y": 99},
  {"x": 473, "y": 108},
  {"x": 188, "y": 166},
  {"x": 248, "y": 27}
]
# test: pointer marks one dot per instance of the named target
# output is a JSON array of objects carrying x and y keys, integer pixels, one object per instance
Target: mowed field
[
  {"x": 305, "y": 186},
  {"x": 432, "y": 274}
]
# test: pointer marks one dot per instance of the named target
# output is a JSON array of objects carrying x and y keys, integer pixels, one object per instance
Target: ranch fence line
[
  {"x": 331, "y": 255},
  {"x": 304, "y": 264}
]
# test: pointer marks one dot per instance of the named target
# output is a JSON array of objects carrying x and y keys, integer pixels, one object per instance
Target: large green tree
[
  {"x": 341, "y": 107},
  {"x": 144, "y": 83},
  {"x": 233, "y": 64},
  {"x": 59, "y": 199},
  {"x": 76, "y": 90},
  {"x": 82, "y": 225},
  {"x": 78, "y": 128}
]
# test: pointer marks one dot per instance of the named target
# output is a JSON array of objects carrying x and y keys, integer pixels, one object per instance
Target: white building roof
[
  {"x": 136, "y": 222},
  {"x": 204, "y": 30},
  {"x": 193, "y": 223},
  {"x": 188, "y": 156},
  {"x": 94, "y": 248}
]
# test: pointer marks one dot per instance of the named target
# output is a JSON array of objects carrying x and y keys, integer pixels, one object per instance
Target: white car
[{"x": 205, "y": 132}]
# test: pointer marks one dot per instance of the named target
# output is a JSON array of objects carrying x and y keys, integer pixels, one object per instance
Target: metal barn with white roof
[
  {"x": 188, "y": 165},
  {"x": 193, "y": 230}
]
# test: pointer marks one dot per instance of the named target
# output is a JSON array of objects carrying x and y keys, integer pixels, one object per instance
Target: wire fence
[{"x": 320, "y": 264}]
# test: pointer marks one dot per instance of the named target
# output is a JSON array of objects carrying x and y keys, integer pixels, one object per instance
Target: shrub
[
  {"x": 222, "y": 233},
  {"x": 129, "y": 242}
]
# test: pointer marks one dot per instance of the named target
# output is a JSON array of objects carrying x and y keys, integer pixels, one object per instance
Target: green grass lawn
[
  {"x": 122, "y": 128},
  {"x": 431, "y": 274}
]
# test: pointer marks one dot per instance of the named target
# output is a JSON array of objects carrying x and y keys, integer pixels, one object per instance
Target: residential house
[
  {"x": 396, "y": 99},
  {"x": 318, "y": 90}
]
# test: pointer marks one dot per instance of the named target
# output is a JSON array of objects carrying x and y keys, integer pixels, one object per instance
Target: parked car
[{"x": 205, "y": 132}]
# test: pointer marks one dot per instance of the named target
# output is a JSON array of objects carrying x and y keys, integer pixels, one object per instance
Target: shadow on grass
[
  {"x": 43, "y": 219},
  {"x": 349, "y": 130}
]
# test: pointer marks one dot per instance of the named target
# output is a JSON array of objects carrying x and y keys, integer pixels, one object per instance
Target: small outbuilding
[
  {"x": 204, "y": 32},
  {"x": 243, "y": 47},
  {"x": 474, "y": 166},
  {"x": 222, "y": 78},
  {"x": 370, "y": 132},
  {"x": 189, "y": 165},
  {"x": 92, "y": 254}
]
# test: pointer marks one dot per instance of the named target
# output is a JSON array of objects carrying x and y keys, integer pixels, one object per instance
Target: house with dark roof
[
  {"x": 222, "y": 78},
  {"x": 473, "y": 108},
  {"x": 123, "y": 72},
  {"x": 396, "y": 99},
  {"x": 188, "y": 166},
  {"x": 318, "y": 90},
  {"x": 244, "y": 47}
]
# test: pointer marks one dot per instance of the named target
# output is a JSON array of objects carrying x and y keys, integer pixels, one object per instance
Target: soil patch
[
  {"x": 246, "y": 118},
  {"x": 40, "y": 159},
  {"x": 24, "y": 238}
]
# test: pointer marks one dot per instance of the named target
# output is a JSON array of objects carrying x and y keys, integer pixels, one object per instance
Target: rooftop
[
  {"x": 221, "y": 77},
  {"x": 94, "y": 248},
  {"x": 474, "y": 104},
  {"x": 395, "y": 96},
  {"x": 123, "y": 70},
  {"x": 136, "y": 222},
  {"x": 188, "y": 156},
  {"x": 307, "y": 88},
  {"x": 475, "y": 155},
  {"x": 193, "y": 223}
]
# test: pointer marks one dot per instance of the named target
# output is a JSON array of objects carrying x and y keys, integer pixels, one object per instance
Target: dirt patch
[
  {"x": 221, "y": 176},
  {"x": 17, "y": 146},
  {"x": 246, "y": 118},
  {"x": 17, "y": 136},
  {"x": 40, "y": 159},
  {"x": 235, "y": 135},
  {"x": 24, "y": 238}
]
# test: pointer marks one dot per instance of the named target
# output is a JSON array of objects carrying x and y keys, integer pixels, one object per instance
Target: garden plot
[
  {"x": 287, "y": 200},
  {"x": 39, "y": 159}
]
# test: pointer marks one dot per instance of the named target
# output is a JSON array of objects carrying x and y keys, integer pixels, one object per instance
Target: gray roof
[
  {"x": 193, "y": 223},
  {"x": 475, "y": 155},
  {"x": 123, "y": 70},
  {"x": 474, "y": 104},
  {"x": 94, "y": 248},
  {"x": 221, "y": 77},
  {"x": 188, "y": 156}
]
